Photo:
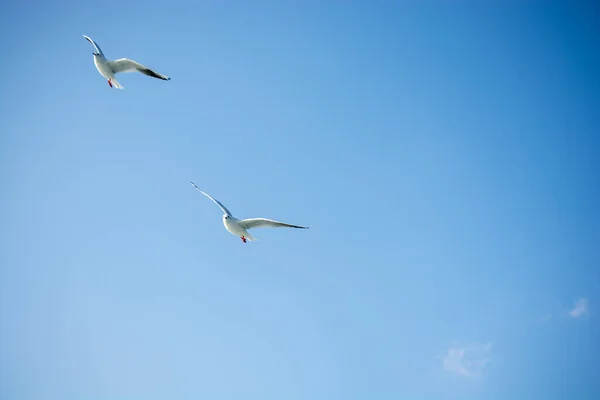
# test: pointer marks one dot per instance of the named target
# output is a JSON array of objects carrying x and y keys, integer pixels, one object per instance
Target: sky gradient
[{"x": 444, "y": 154}]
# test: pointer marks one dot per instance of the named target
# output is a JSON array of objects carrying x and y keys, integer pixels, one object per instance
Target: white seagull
[
  {"x": 239, "y": 227},
  {"x": 108, "y": 68}
]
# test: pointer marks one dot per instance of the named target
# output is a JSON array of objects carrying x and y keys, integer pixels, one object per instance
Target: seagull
[
  {"x": 239, "y": 227},
  {"x": 108, "y": 68}
]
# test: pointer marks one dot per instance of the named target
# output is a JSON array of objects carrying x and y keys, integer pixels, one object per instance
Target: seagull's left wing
[
  {"x": 89, "y": 39},
  {"x": 266, "y": 223},
  {"x": 217, "y": 202},
  {"x": 127, "y": 65}
]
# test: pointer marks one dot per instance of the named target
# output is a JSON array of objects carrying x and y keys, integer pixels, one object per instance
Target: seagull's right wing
[
  {"x": 266, "y": 223},
  {"x": 221, "y": 206},
  {"x": 127, "y": 65},
  {"x": 95, "y": 45}
]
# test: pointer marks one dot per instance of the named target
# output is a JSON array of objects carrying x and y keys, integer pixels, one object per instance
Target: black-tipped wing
[
  {"x": 95, "y": 45},
  {"x": 266, "y": 223},
  {"x": 217, "y": 202},
  {"x": 127, "y": 65}
]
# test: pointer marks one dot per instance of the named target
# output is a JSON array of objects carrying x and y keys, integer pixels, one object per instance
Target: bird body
[
  {"x": 233, "y": 225},
  {"x": 106, "y": 71}
]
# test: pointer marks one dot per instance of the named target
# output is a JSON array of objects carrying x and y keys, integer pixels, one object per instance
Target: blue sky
[{"x": 445, "y": 156}]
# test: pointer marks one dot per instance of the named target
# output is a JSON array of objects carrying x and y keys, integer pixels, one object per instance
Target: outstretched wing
[
  {"x": 95, "y": 45},
  {"x": 266, "y": 223},
  {"x": 127, "y": 65},
  {"x": 221, "y": 206}
]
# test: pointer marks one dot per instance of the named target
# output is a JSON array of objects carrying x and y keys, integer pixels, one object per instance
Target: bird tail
[
  {"x": 250, "y": 237},
  {"x": 116, "y": 84}
]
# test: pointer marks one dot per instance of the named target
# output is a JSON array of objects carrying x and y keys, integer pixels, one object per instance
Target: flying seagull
[
  {"x": 239, "y": 227},
  {"x": 108, "y": 68}
]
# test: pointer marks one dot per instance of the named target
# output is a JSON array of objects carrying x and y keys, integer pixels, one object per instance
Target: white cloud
[
  {"x": 581, "y": 308},
  {"x": 468, "y": 360}
]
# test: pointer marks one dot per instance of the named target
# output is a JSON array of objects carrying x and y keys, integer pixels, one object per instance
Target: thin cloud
[
  {"x": 581, "y": 308},
  {"x": 545, "y": 318},
  {"x": 468, "y": 360}
]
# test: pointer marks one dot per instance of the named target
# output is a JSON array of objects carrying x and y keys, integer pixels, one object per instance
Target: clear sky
[{"x": 445, "y": 156}]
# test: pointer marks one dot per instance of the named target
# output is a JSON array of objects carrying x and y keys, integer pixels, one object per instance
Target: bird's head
[
  {"x": 96, "y": 54},
  {"x": 225, "y": 216}
]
